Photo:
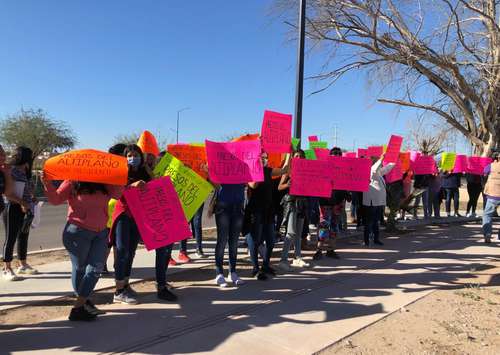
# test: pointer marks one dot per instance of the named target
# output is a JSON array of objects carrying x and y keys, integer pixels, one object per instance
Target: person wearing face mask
[
  {"x": 260, "y": 210},
  {"x": 18, "y": 214}
]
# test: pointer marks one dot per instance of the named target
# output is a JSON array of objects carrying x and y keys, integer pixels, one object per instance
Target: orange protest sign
[
  {"x": 147, "y": 143},
  {"x": 246, "y": 137},
  {"x": 404, "y": 158},
  {"x": 275, "y": 160},
  {"x": 192, "y": 156},
  {"x": 87, "y": 165}
]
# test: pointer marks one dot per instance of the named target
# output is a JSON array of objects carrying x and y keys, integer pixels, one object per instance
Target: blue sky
[{"x": 116, "y": 67}]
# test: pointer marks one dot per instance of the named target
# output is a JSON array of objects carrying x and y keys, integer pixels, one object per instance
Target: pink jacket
[{"x": 85, "y": 210}]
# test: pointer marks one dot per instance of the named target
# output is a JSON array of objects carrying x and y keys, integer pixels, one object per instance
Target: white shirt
[{"x": 376, "y": 195}]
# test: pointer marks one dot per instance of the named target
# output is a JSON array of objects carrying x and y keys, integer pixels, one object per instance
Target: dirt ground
[{"x": 455, "y": 321}]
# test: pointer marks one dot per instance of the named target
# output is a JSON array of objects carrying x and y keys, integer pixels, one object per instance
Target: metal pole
[
  {"x": 178, "y": 116},
  {"x": 297, "y": 132}
]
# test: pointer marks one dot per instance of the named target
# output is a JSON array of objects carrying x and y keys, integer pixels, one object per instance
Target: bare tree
[
  {"x": 428, "y": 136},
  {"x": 440, "y": 56},
  {"x": 133, "y": 137}
]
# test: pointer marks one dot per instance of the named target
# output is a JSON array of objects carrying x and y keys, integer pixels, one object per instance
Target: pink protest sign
[
  {"x": 460, "y": 164},
  {"x": 375, "y": 151},
  {"x": 311, "y": 178},
  {"x": 276, "y": 132},
  {"x": 395, "y": 174},
  {"x": 476, "y": 165},
  {"x": 362, "y": 153},
  {"x": 313, "y": 138},
  {"x": 158, "y": 213},
  {"x": 349, "y": 155},
  {"x": 393, "y": 148},
  {"x": 425, "y": 164},
  {"x": 351, "y": 174},
  {"x": 322, "y": 153},
  {"x": 234, "y": 162}
]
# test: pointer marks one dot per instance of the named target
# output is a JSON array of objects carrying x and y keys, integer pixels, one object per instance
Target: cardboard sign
[
  {"x": 310, "y": 154},
  {"x": 322, "y": 153},
  {"x": 147, "y": 143},
  {"x": 311, "y": 178},
  {"x": 393, "y": 148},
  {"x": 425, "y": 164},
  {"x": 362, "y": 153},
  {"x": 313, "y": 138},
  {"x": 234, "y": 163},
  {"x": 349, "y": 155},
  {"x": 460, "y": 164},
  {"x": 158, "y": 213},
  {"x": 395, "y": 174},
  {"x": 193, "y": 156},
  {"x": 448, "y": 161},
  {"x": 317, "y": 144},
  {"x": 476, "y": 165},
  {"x": 276, "y": 132},
  {"x": 351, "y": 174},
  {"x": 87, "y": 165},
  {"x": 404, "y": 158},
  {"x": 375, "y": 151},
  {"x": 191, "y": 188}
]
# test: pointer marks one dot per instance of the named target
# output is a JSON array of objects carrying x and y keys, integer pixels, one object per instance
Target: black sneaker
[
  {"x": 318, "y": 255},
  {"x": 332, "y": 254},
  {"x": 93, "y": 309},
  {"x": 255, "y": 272},
  {"x": 378, "y": 242},
  {"x": 261, "y": 276},
  {"x": 81, "y": 314},
  {"x": 165, "y": 294},
  {"x": 269, "y": 270}
]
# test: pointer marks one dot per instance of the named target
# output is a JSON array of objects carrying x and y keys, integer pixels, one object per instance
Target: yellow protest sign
[{"x": 448, "y": 161}]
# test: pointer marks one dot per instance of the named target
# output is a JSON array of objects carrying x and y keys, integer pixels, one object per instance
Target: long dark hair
[
  {"x": 140, "y": 173},
  {"x": 23, "y": 155}
]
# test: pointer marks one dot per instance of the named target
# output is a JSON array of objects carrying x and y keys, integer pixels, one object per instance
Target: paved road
[{"x": 48, "y": 234}]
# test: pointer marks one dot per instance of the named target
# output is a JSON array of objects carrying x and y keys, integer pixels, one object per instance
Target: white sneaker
[
  {"x": 9, "y": 275},
  {"x": 236, "y": 280},
  {"x": 299, "y": 262},
  {"x": 26, "y": 270},
  {"x": 285, "y": 266},
  {"x": 220, "y": 281}
]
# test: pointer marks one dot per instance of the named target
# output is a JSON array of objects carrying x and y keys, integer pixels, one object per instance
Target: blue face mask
[{"x": 134, "y": 162}]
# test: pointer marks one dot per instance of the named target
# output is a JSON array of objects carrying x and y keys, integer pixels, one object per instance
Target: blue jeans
[
  {"x": 489, "y": 211},
  {"x": 229, "y": 221},
  {"x": 126, "y": 239},
  {"x": 294, "y": 230},
  {"x": 426, "y": 203},
  {"x": 196, "y": 227},
  {"x": 87, "y": 251},
  {"x": 163, "y": 255},
  {"x": 452, "y": 194},
  {"x": 371, "y": 220},
  {"x": 435, "y": 202},
  {"x": 260, "y": 232}
]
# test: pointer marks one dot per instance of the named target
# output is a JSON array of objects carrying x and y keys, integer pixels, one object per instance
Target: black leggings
[
  {"x": 474, "y": 191},
  {"x": 13, "y": 218}
]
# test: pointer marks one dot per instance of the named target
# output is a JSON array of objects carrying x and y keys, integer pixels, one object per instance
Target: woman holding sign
[{"x": 84, "y": 236}]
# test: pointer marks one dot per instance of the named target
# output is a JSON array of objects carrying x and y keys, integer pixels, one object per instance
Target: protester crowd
[{"x": 263, "y": 212}]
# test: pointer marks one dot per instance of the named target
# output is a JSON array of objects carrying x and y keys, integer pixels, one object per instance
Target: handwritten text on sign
[
  {"x": 276, "y": 132},
  {"x": 424, "y": 164},
  {"x": 87, "y": 165},
  {"x": 191, "y": 188},
  {"x": 351, "y": 174},
  {"x": 193, "y": 156},
  {"x": 393, "y": 148},
  {"x": 311, "y": 178},
  {"x": 158, "y": 213},
  {"x": 460, "y": 164},
  {"x": 235, "y": 162}
]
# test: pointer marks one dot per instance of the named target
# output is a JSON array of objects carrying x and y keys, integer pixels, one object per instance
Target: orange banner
[
  {"x": 87, "y": 165},
  {"x": 404, "y": 157},
  {"x": 147, "y": 143},
  {"x": 192, "y": 156},
  {"x": 246, "y": 137}
]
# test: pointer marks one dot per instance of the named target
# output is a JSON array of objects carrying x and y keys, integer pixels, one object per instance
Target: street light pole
[
  {"x": 178, "y": 116},
  {"x": 297, "y": 132}
]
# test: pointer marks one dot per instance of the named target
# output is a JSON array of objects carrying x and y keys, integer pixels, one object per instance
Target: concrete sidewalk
[{"x": 296, "y": 313}]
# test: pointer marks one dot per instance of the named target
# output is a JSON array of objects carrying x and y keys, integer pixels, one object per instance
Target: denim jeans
[
  {"x": 163, "y": 255},
  {"x": 229, "y": 221},
  {"x": 260, "y": 232},
  {"x": 452, "y": 194},
  {"x": 293, "y": 234},
  {"x": 87, "y": 251},
  {"x": 489, "y": 211},
  {"x": 435, "y": 202},
  {"x": 126, "y": 239},
  {"x": 426, "y": 203},
  {"x": 196, "y": 227},
  {"x": 371, "y": 220}
]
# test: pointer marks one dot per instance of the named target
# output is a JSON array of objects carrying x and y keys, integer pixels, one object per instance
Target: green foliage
[{"x": 34, "y": 129}]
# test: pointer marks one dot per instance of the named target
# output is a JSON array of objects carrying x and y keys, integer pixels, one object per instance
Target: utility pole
[
  {"x": 297, "y": 132},
  {"x": 178, "y": 116},
  {"x": 335, "y": 135}
]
